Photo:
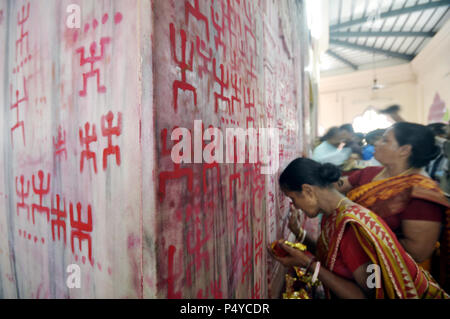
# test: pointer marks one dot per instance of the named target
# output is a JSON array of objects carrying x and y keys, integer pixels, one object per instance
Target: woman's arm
[
  {"x": 341, "y": 287},
  {"x": 420, "y": 237},
  {"x": 421, "y": 226},
  {"x": 346, "y": 289},
  {"x": 294, "y": 227}
]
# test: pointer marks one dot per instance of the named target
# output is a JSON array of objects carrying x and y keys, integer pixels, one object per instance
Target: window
[{"x": 370, "y": 121}]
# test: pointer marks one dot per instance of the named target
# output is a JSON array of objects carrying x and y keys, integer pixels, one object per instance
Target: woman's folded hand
[{"x": 294, "y": 256}]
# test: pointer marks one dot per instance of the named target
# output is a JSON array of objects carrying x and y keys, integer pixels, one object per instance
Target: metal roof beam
[
  {"x": 372, "y": 50},
  {"x": 381, "y": 34},
  {"x": 393, "y": 13},
  {"x": 343, "y": 60}
]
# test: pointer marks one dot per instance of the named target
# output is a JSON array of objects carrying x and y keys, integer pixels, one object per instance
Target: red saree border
[
  {"x": 417, "y": 185},
  {"x": 383, "y": 249}
]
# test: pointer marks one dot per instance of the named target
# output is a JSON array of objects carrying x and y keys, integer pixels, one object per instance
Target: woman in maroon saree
[{"x": 400, "y": 192}]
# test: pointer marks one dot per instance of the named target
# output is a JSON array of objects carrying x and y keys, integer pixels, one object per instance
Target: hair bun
[
  {"x": 432, "y": 155},
  {"x": 329, "y": 173}
]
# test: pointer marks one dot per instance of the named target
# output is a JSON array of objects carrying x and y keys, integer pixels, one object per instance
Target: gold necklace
[
  {"x": 340, "y": 202},
  {"x": 406, "y": 172},
  {"x": 384, "y": 171}
]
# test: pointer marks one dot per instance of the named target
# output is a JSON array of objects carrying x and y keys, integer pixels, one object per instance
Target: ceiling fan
[
  {"x": 375, "y": 86},
  {"x": 374, "y": 98}
]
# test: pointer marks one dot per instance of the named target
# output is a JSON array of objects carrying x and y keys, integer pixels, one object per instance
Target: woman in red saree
[
  {"x": 352, "y": 239},
  {"x": 401, "y": 193}
]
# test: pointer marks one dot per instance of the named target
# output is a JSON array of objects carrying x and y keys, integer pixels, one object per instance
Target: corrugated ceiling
[{"x": 364, "y": 33}]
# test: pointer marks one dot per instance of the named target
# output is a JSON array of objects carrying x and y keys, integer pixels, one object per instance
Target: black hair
[
  {"x": 306, "y": 171},
  {"x": 332, "y": 132},
  {"x": 360, "y": 135},
  {"x": 391, "y": 109},
  {"x": 347, "y": 127},
  {"x": 438, "y": 128},
  {"x": 373, "y": 136},
  {"x": 421, "y": 139}
]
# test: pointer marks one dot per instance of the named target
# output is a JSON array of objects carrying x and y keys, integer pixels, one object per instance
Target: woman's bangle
[
  {"x": 316, "y": 272},
  {"x": 313, "y": 259},
  {"x": 302, "y": 239},
  {"x": 297, "y": 237}
]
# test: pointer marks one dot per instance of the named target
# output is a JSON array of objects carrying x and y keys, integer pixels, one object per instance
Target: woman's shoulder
[
  {"x": 372, "y": 169},
  {"x": 323, "y": 145},
  {"x": 364, "y": 176},
  {"x": 354, "y": 212},
  {"x": 426, "y": 189},
  {"x": 360, "y": 216}
]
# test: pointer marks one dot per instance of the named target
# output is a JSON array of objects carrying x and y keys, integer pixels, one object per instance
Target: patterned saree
[
  {"x": 390, "y": 196},
  {"x": 382, "y": 247}
]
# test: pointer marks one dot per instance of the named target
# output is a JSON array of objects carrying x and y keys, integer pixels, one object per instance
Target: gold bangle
[
  {"x": 298, "y": 236},
  {"x": 302, "y": 239}
]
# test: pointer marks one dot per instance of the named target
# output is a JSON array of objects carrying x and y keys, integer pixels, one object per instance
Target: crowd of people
[
  {"x": 343, "y": 147},
  {"x": 383, "y": 200}
]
